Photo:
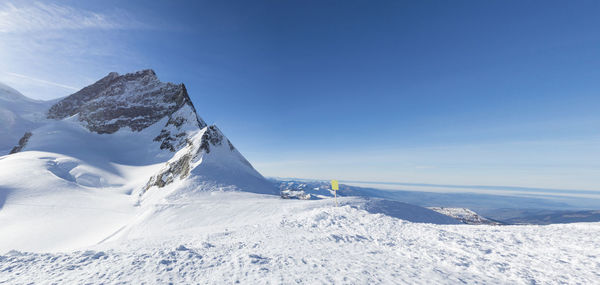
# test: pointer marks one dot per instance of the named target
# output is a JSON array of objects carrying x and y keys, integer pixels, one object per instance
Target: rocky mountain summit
[{"x": 135, "y": 100}]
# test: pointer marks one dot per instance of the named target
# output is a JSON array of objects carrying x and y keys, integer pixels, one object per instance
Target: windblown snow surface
[
  {"x": 230, "y": 237},
  {"x": 89, "y": 200}
]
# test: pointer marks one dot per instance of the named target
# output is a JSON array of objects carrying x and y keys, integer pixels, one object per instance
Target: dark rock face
[
  {"x": 134, "y": 100},
  {"x": 22, "y": 143},
  {"x": 172, "y": 136},
  {"x": 179, "y": 168},
  {"x": 211, "y": 136}
]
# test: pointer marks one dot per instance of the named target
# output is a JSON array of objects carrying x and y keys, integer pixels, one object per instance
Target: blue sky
[{"x": 449, "y": 92}]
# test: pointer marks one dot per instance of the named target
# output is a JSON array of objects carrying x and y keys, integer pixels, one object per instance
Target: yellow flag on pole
[{"x": 334, "y": 185}]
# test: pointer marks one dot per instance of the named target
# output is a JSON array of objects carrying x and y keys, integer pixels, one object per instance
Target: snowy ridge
[
  {"x": 465, "y": 215},
  {"x": 18, "y": 114},
  {"x": 9, "y": 94},
  {"x": 314, "y": 189}
]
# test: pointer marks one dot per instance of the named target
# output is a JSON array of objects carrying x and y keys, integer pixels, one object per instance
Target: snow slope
[
  {"x": 18, "y": 114},
  {"x": 231, "y": 237}
]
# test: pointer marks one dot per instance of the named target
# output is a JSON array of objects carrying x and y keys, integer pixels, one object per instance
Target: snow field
[{"x": 313, "y": 243}]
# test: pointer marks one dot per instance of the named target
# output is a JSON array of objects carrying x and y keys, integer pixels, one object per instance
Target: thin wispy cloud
[
  {"x": 43, "y": 17},
  {"x": 42, "y": 81},
  {"x": 50, "y": 49}
]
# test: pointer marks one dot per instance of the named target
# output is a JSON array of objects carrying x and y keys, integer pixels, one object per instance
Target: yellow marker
[{"x": 335, "y": 187}]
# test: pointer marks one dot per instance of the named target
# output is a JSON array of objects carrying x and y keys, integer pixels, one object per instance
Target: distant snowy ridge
[
  {"x": 18, "y": 114},
  {"x": 369, "y": 201},
  {"x": 465, "y": 215}
]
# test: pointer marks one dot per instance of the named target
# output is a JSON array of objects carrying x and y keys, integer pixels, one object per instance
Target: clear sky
[{"x": 450, "y": 92}]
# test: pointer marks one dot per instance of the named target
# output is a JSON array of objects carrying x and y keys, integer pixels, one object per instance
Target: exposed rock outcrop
[
  {"x": 178, "y": 168},
  {"x": 173, "y": 135},
  {"x": 22, "y": 142}
]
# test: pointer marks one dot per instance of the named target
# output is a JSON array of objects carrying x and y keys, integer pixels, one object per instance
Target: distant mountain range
[{"x": 468, "y": 208}]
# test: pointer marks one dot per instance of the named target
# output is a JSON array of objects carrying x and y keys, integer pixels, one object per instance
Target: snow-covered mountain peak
[
  {"x": 134, "y": 100},
  {"x": 135, "y": 120}
]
